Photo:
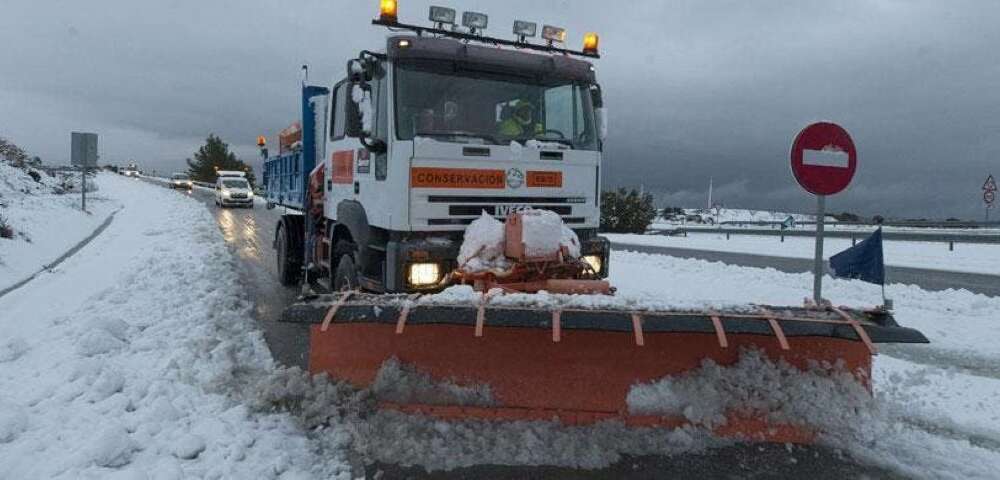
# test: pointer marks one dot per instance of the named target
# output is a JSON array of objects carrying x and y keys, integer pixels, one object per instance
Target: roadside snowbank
[
  {"x": 46, "y": 224},
  {"x": 139, "y": 357},
  {"x": 967, "y": 257}
]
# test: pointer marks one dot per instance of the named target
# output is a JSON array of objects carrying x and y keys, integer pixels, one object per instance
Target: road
[
  {"x": 249, "y": 232},
  {"x": 926, "y": 279}
]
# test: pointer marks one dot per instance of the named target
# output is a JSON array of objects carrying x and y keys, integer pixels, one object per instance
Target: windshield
[
  {"x": 475, "y": 107},
  {"x": 180, "y": 177},
  {"x": 234, "y": 183}
]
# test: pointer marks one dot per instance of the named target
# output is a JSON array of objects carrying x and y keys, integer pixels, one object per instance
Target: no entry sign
[{"x": 824, "y": 158}]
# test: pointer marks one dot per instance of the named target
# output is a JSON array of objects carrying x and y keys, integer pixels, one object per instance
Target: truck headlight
[
  {"x": 594, "y": 261},
  {"x": 423, "y": 274},
  {"x": 225, "y": 193}
]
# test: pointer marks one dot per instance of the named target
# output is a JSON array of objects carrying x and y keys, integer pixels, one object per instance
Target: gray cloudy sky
[{"x": 695, "y": 88}]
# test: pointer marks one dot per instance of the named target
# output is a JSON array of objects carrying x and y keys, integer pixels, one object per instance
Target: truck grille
[
  {"x": 463, "y": 209},
  {"x": 466, "y": 221},
  {"x": 239, "y": 195}
]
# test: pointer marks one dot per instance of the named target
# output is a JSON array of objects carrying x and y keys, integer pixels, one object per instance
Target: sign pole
[
  {"x": 818, "y": 260},
  {"x": 83, "y": 189}
]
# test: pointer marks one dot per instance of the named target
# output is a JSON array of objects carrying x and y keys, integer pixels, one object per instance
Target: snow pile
[
  {"x": 538, "y": 145},
  {"x": 403, "y": 383},
  {"x": 407, "y": 440},
  {"x": 824, "y": 395},
  {"x": 146, "y": 364},
  {"x": 483, "y": 246},
  {"x": 543, "y": 233}
]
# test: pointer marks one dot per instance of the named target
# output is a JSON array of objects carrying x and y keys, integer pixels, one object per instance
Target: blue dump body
[{"x": 286, "y": 175}]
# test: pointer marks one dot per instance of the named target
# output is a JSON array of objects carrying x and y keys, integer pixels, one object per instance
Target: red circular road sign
[
  {"x": 989, "y": 196},
  {"x": 824, "y": 158}
]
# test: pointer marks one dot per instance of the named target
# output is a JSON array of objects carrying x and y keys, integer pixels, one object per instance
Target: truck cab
[{"x": 415, "y": 142}]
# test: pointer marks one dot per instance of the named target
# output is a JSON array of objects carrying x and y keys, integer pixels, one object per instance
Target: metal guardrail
[
  {"x": 950, "y": 237},
  {"x": 897, "y": 223}
]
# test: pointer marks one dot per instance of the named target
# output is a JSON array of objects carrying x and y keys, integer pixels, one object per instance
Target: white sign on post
[{"x": 83, "y": 153}]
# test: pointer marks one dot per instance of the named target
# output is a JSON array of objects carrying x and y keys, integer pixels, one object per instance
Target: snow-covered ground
[
  {"x": 45, "y": 224},
  {"x": 132, "y": 359},
  {"x": 138, "y": 358},
  {"x": 967, "y": 257}
]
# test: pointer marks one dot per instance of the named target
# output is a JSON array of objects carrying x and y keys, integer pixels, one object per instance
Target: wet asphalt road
[
  {"x": 249, "y": 233},
  {"x": 926, "y": 279}
]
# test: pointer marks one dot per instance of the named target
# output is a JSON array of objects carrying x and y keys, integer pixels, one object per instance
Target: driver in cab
[{"x": 521, "y": 123}]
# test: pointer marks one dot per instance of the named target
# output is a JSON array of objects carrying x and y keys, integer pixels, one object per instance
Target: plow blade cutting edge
[{"x": 576, "y": 365}]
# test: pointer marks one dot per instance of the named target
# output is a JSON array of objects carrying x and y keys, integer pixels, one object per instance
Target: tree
[
  {"x": 625, "y": 211},
  {"x": 12, "y": 153},
  {"x": 214, "y": 156}
]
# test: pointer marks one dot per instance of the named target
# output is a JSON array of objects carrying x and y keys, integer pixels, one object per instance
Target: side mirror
[
  {"x": 352, "y": 112},
  {"x": 601, "y": 115}
]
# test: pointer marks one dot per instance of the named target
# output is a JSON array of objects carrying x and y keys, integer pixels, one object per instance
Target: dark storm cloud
[{"x": 695, "y": 89}]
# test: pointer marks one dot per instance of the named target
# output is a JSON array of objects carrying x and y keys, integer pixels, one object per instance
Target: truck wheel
[
  {"x": 288, "y": 269},
  {"x": 345, "y": 276}
]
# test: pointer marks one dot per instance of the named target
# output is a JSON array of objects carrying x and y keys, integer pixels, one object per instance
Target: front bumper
[
  {"x": 237, "y": 201},
  {"x": 401, "y": 254}
]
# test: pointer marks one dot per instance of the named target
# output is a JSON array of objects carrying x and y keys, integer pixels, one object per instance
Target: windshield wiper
[{"x": 461, "y": 133}]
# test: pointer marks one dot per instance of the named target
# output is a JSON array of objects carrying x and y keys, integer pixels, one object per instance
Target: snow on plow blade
[{"x": 577, "y": 365}]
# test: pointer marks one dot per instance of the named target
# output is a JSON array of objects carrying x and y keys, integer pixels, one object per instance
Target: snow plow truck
[{"x": 443, "y": 131}]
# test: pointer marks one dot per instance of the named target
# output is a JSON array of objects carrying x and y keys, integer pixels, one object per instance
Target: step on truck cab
[{"x": 414, "y": 142}]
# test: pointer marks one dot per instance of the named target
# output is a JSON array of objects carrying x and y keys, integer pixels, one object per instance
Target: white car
[
  {"x": 233, "y": 191},
  {"x": 181, "y": 180}
]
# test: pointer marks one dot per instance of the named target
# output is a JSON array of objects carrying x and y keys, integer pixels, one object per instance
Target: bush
[
  {"x": 625, "y": 211},
  {"x": 670, "y": 213},
  {"x": 6, "y": 231}
]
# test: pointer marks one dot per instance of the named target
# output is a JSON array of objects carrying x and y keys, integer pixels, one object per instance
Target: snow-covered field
[
  {"x": 967, "y": 257},
  {"x": 138, "y": 358},
  {"x": 45, "y": 224}
]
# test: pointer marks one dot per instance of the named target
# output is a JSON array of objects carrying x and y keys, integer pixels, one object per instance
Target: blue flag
[{"x": 863, "y": 261}]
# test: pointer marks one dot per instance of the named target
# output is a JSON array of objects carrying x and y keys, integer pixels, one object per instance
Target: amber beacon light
[
  {"x": 387, "y": 11},
  {"x": 590, "y": 42}
]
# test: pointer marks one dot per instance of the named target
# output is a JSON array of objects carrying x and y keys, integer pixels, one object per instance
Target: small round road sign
[
  {"x": 824, "y": 158},
  {"x": 989, "y": 197}
]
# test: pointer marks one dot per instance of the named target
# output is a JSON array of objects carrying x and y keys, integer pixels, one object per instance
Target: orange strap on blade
[
  {"x": 556, "y": 325},
  {"x": 404, "y": 313},
  {"x": 333, "y": 309},
  {"x": 720, "y": 332},
  {"x": 776, "y": 328},
  {"x": 481, "y": 314},
  {"x": 637, "y": 328},
  {"x": 862, "y": 334}
]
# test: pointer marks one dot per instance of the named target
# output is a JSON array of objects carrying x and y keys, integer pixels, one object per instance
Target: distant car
[
  {"x": 180, "y": 180},
  {"x": 130, "y": 172},
  {"x": 233, "y": 191}
]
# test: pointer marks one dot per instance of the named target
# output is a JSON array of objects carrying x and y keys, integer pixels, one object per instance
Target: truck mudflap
[{"x": 575, "y": 364}]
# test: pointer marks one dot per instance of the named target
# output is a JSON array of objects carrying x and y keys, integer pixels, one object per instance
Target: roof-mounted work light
[
  {"x": 474, "y": 21},
  {"x": 442, "y": 16},
  {"x": 590, "y": 42},
  {"x": 554, "y": 34},
  {"x": 387, "y": 11},
  {"x": 525, "y": 29}
]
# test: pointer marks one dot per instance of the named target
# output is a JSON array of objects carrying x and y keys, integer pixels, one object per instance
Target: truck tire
[
  {"x": 288, "y": 251},
  {"x": 345, "y": 275}
]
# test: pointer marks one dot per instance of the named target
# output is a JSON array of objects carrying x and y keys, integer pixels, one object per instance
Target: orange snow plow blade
[{"x": 577, "y": 365}]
